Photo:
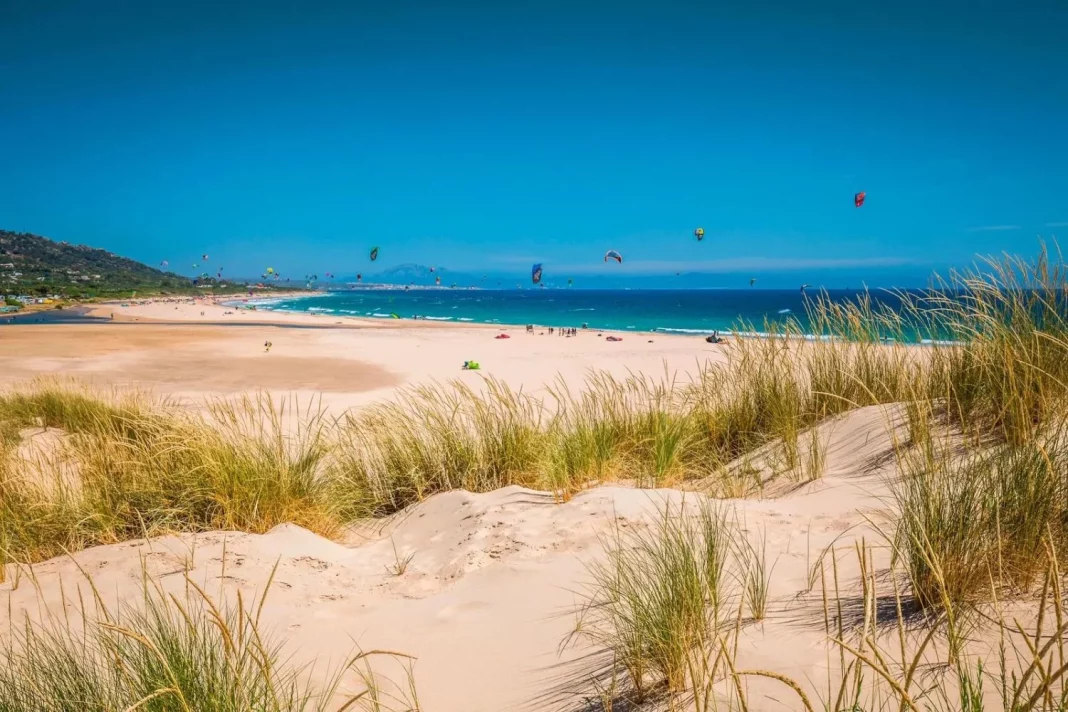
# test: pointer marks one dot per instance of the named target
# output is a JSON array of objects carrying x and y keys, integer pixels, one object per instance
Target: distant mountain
[
  {"x": 904, "y": 276},
  {"x": 31, "y": 263},
  {"x": 417, "y": 274}
]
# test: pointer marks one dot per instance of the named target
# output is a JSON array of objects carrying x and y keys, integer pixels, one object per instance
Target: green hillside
[{"x": 30, "y": 264}]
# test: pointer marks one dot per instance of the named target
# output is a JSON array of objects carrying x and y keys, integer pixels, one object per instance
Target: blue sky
[{"x": 484, "y": 136}]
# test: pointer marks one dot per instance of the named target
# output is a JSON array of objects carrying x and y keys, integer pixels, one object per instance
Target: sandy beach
[
  {"x": 192, "y": 350},
  {"x": 491, "y": 357},
  {"x": 491, "y": 596}
]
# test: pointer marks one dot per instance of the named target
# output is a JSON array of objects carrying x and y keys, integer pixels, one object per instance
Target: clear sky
[{"x": 486, "y": 135}]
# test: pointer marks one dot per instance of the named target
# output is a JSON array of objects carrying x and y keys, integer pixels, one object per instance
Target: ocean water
[{"x": 689, "y": 311}]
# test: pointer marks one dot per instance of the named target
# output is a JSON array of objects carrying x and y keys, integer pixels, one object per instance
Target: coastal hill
[
  {"x": 410, "y": 273},
  {"x": 33, "y": 264}
]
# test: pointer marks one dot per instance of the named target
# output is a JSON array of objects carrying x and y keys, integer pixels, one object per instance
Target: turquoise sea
[{"x": 682, "y": 311}]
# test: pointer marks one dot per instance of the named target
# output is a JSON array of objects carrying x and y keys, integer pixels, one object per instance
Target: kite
[
  {"x": 359, "y": 277},
  {"x": 203, "y": 258},
  {"x": 164, "y": 263},
  {"x": 699, "y": 233},
  {"x": 752, "y": 281},
  {"x": 431, "y": 269},
  {"x": 613, "y": 255},
  {"x": 374, "y": 253},
  {"x": 803, "y": 286},
  {"x": 270, "y": 270},
  {"x": 437, "y": 281},
  {"x": 858, "y": 199},
  {"x": 570, "y": 282},
  {"x": 535, "y": 273}
]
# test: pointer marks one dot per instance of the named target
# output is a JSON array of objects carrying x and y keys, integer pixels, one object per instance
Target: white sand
[
  {"x": 347, "y": 363},
  {"x": 490, "y": 595}
]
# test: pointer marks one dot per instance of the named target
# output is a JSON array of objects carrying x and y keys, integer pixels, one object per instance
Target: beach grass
[
  {"x": 660, "y": 593},
  {"x": 673, "y": 630},
  {"x": 143, "y": 469},
  {"x": 980, "y": 499},
  {"x": 996, "y": 373},
  {"x": 168, "y": 652}
]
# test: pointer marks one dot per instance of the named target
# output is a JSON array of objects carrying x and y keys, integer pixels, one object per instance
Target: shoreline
[
  {"x": 663, "y": 331},
  {"x": 222, "y": 311},
  {"x": 153, "y": 310},
  {"x": 437, "y": 322},
  {"x": 225, "y": 307}
]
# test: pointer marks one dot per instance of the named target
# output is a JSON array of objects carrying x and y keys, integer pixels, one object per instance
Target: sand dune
[
  {"x": 484, "y": 590},
  {"x": 494, "y": 581}
]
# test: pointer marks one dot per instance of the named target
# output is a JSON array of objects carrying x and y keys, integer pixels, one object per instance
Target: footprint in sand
[{"x": 312, "y": 562}]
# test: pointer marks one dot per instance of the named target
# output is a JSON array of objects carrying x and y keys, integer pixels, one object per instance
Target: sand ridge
[
  {"x": 490, "y": 592},
  {"x": 493, "y": 584}
]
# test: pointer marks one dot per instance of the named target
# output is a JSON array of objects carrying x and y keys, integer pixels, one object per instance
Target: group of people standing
[{"x": 569, "y": 331}]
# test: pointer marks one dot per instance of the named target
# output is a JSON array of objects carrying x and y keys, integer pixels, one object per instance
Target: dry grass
[
  {"x": 146, "y": 469},
  {"x": 674, "y": 632},
  {"x": 982, "y": 497},
  {"x": 168, "y": 653},
  {"x": 660, "y": 594}
]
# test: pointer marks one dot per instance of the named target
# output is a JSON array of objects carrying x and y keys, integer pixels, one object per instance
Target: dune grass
[
  {"x": 997, "y": 374},
  {"x": 968, "y": 516},
  {"x": 168, "y": 652},
  {"x": 981, "y": 498},
  {"x": 659, "y": 601},
  {"x": 937, "y": 666},
  {"x": 143, "y": 469},
  {"x": 661, "y": 593}
]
